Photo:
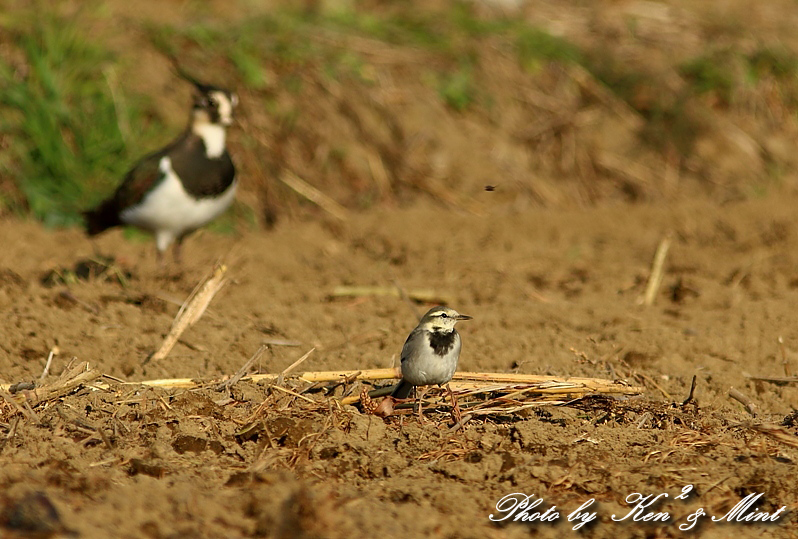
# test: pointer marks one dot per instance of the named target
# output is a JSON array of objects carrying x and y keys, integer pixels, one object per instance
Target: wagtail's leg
[
  {"x": 457, "y": 414},
  {"x": 420, "y": 396}
]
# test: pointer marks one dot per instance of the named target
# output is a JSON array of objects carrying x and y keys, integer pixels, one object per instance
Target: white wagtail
[
  {"x": 182, "y": 187},
  {"x": 430, "y": 354}
]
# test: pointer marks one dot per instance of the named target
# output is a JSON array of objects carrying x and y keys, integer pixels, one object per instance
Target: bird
[
  {"x": 176, "y": 190},
  {"x": 430, "y": 354}
]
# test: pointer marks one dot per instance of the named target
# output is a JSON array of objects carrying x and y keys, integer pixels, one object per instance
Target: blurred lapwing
[
  {"x": 430, "y": 354},
  {"x": 182, "y": 187}
]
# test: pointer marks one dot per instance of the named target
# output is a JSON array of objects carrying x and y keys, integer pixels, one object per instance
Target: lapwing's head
[
  {"x": 441, "y": 319},
  {"x": 213, "y": 105}
]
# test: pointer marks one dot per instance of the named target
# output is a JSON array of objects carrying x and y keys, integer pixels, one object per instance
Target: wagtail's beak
[{"x": 463, "y": 317}]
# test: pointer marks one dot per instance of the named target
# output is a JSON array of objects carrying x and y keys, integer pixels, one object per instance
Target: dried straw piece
[
  {"x": 776, "y": 432},
  {"x": 24, "y": 410},
  {"x": 11, "y": 433},
  {"x": 49, "y": 362},
  {"x": 192, "y": 310},
  {"x": 478, "y": 393},
  {"x": 83, "y": 424},
  {"x": 514, "y": 392},
  {"x": 460, "y": 424},
  {"x": 227, "y": 384},
  {"x": 651, "y": 381},
  {"x": 534, "y": 378},
  {"x": 750, "y": 406},
  {"x": 464, "y": 383},
  {"x": 360, "y": 374},
  {"x": 657, "y": 271},
  {"x": 314, "y": 195},
  {"x": 68, "y": 382},
  {"x": 296, "y": 363},
  {"x": 773, "y": 379}
]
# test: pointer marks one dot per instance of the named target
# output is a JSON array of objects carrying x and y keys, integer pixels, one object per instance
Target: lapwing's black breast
[
  {"x": 441, "y": 342},
  {"x": 202, "y": 177}
]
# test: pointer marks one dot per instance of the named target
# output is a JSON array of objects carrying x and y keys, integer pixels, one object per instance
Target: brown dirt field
[
  {"x": 551, "y": 292},
  {"x": 552, "y": 266}
]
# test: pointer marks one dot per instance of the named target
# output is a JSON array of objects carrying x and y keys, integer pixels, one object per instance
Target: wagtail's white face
[{"x": 441, "y": 319}]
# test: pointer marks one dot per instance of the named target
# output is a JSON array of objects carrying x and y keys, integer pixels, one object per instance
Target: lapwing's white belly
[{"x": 169, "y": 211}]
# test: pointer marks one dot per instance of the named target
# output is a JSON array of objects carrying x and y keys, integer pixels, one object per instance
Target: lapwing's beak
[{"x": 464, "y": 317}]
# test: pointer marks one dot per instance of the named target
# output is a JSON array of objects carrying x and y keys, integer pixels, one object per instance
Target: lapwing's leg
[
  {"x": 457, "y": 414},
  {"x": 163, "y": 239},
  {"x": 177, "y": 252}
]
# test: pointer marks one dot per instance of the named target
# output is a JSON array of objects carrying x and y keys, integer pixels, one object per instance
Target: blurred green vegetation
[
  {"x": 711, "y": 73},
  {"x": 74, "y": 128},
  {"x": 58, "y": 108}
]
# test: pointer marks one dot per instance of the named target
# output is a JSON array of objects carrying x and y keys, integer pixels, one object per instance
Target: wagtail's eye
[{"x": 444, "y": 315}]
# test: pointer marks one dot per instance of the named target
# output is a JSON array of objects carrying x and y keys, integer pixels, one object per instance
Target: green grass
[{"x": 59, "y": 111}]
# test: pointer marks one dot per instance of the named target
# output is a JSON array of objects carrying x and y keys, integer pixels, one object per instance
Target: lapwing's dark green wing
[{"x": 139, "y": 181}]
